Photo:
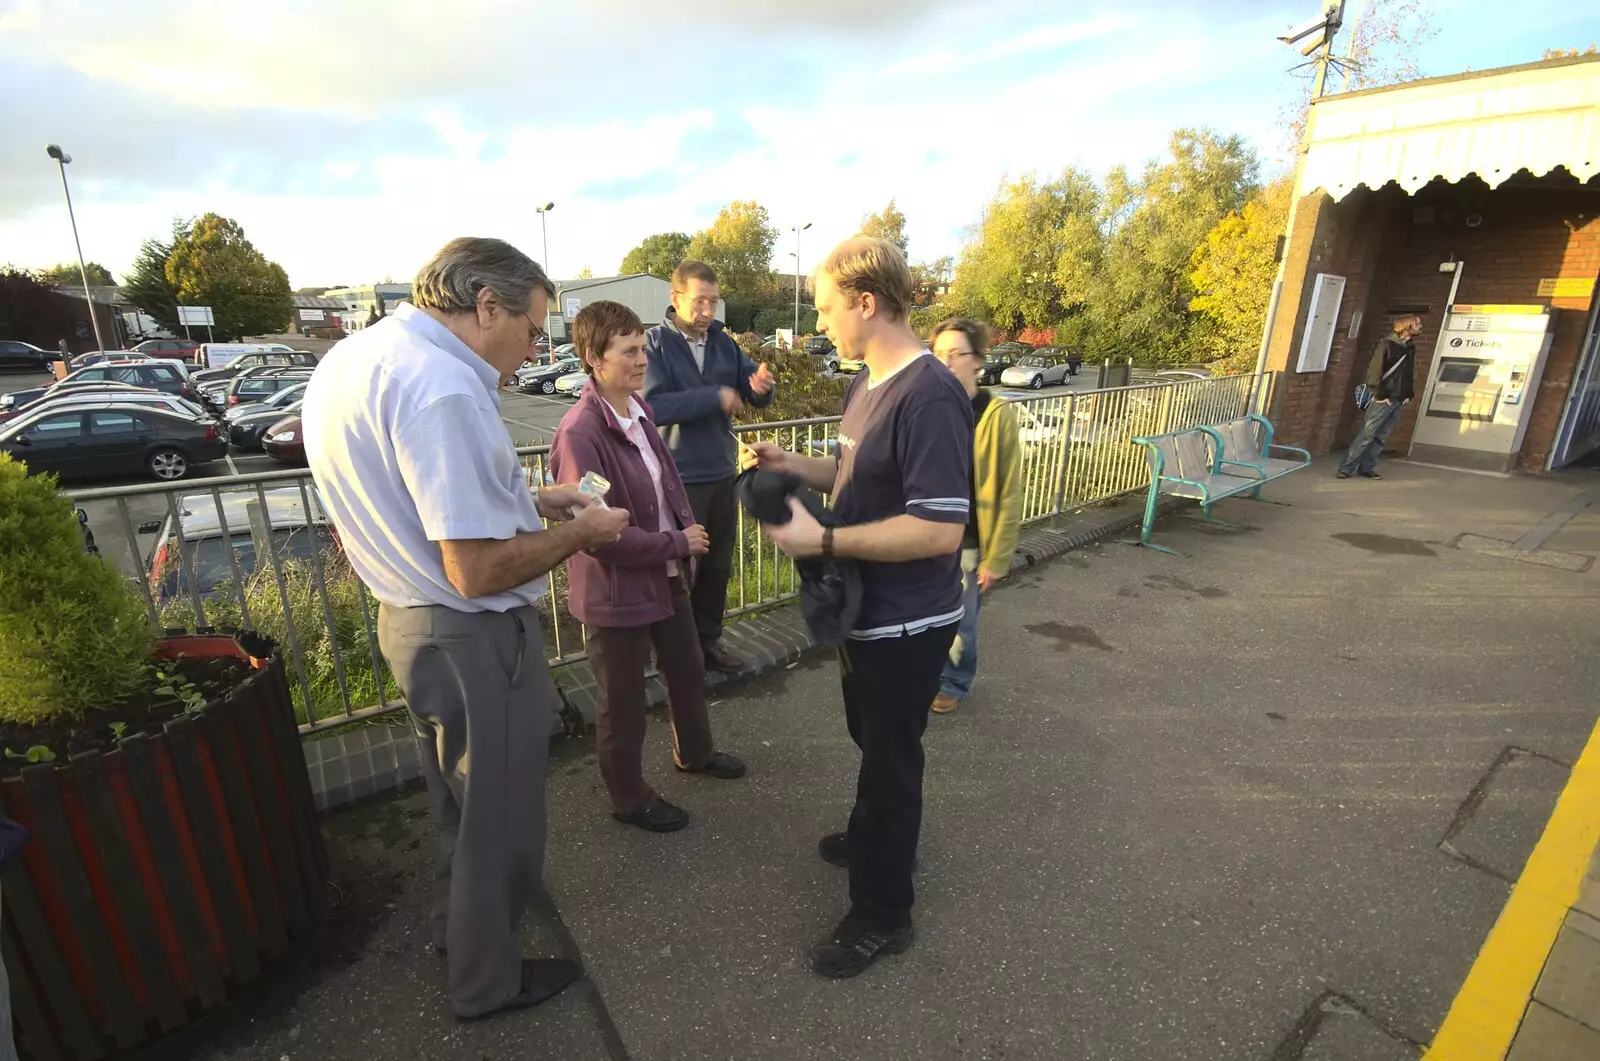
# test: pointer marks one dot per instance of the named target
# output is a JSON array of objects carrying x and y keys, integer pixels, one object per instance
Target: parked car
[
  {"x": 17, "y": 401},
  {"x": 277, "y": 400},
  {"x": 541, "y": 379},
  {"x": 1035, "y": 371},
  {"x": 571, "y": 383},
  {"x": 846, "y": 364},
  {"x": 1073, "y": 355},
  {"x": 179, "y": 349},
  {"x": 215, "y": 391},
  {"x": 993, "y": 365},
  {"x": 80, "y": 397},
  {"x": 95, "y": 442},
  {"x": 1011, "y": 350},
  {"x": 100, "y": 357},
  {"x": 207, "y": 549},
  {"x": 255, "y": 387},
  {"x": 15, "y": 354},
  {"x": 818, "y": 346},
  {"x": 246, "y": 431},
  {"x": 257, "y": 358},
  {"x": 285, "y": 441},
  {"x": 220, "y": 355},
  {"x": 142, "y": 375}
]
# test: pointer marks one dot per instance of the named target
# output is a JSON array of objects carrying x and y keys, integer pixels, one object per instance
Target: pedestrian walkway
[{"x": 1273, "y": 801}]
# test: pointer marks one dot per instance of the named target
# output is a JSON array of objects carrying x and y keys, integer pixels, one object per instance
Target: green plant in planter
[{"x": 72, "y": 637}]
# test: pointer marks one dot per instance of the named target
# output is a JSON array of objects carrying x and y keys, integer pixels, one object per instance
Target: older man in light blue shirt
[{"x": 404, "y": 438}]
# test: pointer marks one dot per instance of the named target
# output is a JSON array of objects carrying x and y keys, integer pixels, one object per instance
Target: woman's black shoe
[
  {"x": 835, "y": 849},
  {"x": 721, "y": 765},
  {"x": 658, "y": 816}
]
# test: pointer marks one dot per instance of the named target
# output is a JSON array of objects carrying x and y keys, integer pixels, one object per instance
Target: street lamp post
[
  {"x": 62, "y": 158},
  {"x": 797, "y": 230},
  {"x": 544, "y": 234}
]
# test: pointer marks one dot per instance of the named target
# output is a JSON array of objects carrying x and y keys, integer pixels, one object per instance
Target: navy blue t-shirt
[{"x": 905, "y": 446}]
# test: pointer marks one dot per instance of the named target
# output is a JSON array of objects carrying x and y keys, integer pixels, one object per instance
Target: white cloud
[{"x": 350, "y": 141}]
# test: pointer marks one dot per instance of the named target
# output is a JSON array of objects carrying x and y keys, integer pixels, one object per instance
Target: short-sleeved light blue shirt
[{"x": 404, "y": 438}]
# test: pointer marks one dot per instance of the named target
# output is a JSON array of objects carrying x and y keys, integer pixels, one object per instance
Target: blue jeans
[
  {"x": 1375, "y": 427},
  {"x": 962, "y": 666}
]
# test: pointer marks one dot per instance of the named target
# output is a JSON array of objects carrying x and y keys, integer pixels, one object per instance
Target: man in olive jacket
[
  {"x": 1390, "y": 375},
  {"x": 996, "y": 515}
]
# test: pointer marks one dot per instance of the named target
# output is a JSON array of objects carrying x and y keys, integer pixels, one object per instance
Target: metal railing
[{"x": 255, "y": 553}]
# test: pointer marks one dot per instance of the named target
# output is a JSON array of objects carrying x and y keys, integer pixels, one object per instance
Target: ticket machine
[{"x": 1481, "y": 387}]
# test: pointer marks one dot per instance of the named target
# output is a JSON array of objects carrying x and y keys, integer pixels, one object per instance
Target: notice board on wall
[{"x": 1315, "y": 344}]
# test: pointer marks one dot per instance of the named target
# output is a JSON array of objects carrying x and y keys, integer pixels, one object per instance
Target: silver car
[{"x": 1035, "y": 371}]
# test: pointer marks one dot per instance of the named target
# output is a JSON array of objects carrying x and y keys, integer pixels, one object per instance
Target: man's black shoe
[
  {"x": 1371, "y": 475},
  {"x": 720, "y": 657},
  {"x": 1342, "y": 475},
  {"x": 854, "y": 947},
  {"x": 721, "y": 765},
  {"x": 835, "y": 849},
  {"x": 658, "y": 816},
  {"x": 542, "y": 980}
]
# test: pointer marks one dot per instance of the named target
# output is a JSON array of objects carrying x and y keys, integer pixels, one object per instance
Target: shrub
[
  {"x": 72, "y": 637},
  {"x": 317, "y": 642},
  {"x": 804, "y": 390}
]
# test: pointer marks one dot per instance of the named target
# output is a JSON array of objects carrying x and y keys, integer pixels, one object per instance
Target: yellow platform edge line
[{"x": 1488, "y": 1009}]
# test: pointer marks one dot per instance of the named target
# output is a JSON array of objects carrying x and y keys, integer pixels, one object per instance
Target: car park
[
  {"x": 541, "y": 379},
  {"x": 571, "y": 383},
  {"x": 93, "y": 442},
  {"x": 215, "y": 539},
  {"x": 246, "y": 431},
  {"x": 1037, "y": 370},
  {"x": 215, "y": 390},
  {"x": 1011, "y": 350},
  {"x": 848, "y": 365},
  {"x": 818, "y": 346},
  {"x": 20, "y": 355}
]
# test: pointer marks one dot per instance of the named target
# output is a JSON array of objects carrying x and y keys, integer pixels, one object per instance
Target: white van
[{"x": 217, "y": 355}]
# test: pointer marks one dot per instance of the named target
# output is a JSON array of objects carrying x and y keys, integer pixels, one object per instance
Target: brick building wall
[{"x": 1389, "y": 246}]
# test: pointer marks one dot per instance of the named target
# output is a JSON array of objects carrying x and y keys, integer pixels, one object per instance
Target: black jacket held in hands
[{"x": 830, "y": 590}]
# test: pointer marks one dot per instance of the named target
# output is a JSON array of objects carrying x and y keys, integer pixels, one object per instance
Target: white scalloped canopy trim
[{"x": 1491, "y": 126}]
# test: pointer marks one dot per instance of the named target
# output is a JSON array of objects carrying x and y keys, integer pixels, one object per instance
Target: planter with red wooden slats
[{"x": 164, "y": 874}]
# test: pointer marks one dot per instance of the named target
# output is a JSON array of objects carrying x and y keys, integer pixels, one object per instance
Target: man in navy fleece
[{"x": 696, "y": 380}]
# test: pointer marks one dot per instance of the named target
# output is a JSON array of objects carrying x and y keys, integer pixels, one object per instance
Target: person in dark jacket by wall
[
  {"x": 1390, "y": 375},
  {"x": 697, "y": 379},
  {"x": 633, "y": 593}
]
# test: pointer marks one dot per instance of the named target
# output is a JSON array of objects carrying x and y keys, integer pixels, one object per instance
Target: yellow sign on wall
[{"x": 1566, "y": 287}]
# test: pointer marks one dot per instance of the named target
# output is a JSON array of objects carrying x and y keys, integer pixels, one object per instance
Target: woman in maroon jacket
[{"x": 634, "y": 592}]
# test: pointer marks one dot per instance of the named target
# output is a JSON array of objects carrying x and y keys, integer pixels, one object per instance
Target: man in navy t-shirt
[{"x": 901, "y": 483}]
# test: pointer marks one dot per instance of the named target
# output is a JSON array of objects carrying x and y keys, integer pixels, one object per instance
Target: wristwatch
[{"x": 827, "y": 542}]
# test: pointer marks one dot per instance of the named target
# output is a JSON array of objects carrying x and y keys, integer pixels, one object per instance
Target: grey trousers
[{"x": 481, "y": 703}]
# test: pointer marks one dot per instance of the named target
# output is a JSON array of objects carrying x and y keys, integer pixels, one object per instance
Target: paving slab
[{"x": 1187, "y": 798}]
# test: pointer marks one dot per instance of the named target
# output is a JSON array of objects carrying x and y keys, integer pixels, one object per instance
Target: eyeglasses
[
  {"x": 702, "y": 302},
  {"x": 535, "y": 333}
]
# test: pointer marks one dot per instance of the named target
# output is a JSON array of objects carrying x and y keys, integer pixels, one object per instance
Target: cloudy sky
[{"x": 351, "y": 139}]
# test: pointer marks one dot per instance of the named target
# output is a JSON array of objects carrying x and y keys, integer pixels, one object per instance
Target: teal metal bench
[
  {"x": 1210, "y": 464},
  {"x": 1245, "y": 447}
]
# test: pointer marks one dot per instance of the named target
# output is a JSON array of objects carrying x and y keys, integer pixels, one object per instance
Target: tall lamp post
[
  {"x": 797, "y": 229},
  {"x": 62, "y": 158},
  {"x": 544, "y": 233}
]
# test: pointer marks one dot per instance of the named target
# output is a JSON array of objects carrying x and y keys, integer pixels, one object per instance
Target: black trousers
[
  {"x": 889, "y": 685},
  {"x": 716, "y": 508}
]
